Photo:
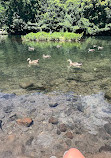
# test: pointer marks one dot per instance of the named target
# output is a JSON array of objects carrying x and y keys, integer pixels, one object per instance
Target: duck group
[{"x": 95, "y": 46}]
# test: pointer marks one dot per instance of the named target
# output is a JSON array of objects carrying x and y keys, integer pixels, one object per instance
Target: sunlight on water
[{"x": 54, "y": 74}]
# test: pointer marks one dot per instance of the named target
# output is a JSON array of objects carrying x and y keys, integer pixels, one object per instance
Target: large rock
[
  {"x": 26, "y": 85},
  {"x": 32, "y": 86},
  {"x": 38, "y": 86},
  {"x": 107, "y": 127}
]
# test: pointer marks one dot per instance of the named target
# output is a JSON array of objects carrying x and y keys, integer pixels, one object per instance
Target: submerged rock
[
  {"x": 74, "y": 123},
  {"x": 69, "y": 135},
  {"x": 62, "y": 128},
  {"x": 108, "y": 95},
  {"x": 53, "y": 120},
  {"x": 26, "y": 85},
  {"x": 53, "y": 105},
  {"x": 8, "y": 109},
  {"x": 25, "y": 121},
  {"x": 108, "y": 128}
]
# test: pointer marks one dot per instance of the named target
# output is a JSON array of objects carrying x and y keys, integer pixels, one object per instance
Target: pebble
[
  {"x": 53, "y": 105},
  {"x": 25, "y": 121},
  {"x": 8, "y": 109},
  {"x": 53, "y": 120},
  {"x": 62, "y": 128},
  {"x": 13, "y": 117},
  {"x": 58, "y": 132},
  {"x": 69, "y": 135},
  {"x": 68, "y": 142}
]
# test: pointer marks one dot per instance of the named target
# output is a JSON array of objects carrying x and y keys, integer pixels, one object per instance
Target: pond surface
[{"x": 54, "y": 74}]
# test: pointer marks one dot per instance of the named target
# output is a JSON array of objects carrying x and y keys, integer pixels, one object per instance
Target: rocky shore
[
  {"x": 3, "y": 32},
  {"x": 46, "y": 125}
]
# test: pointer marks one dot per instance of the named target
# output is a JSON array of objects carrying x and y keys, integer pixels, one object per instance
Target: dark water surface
[{"x": 54, "y": 74}]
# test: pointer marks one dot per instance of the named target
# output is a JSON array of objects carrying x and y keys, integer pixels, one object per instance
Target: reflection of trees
[{"x": 96, "y": 68}]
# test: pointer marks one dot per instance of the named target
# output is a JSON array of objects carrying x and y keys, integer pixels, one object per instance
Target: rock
[
  {"x": 32, "y": 111},
  {"x": 108, "y": 95},
  {"x": 107, "y": 128},
  {"x": 32, "y": 101},
  {"x": 29, "y": 141},
  {"x": 53, "y": 157},
  {"x": 53, "y": 120},
  {"x": 72, "y": 98},
  {"x": 68, "y": 142},
  {"x": 57, "y": 81},
  {"x": 8, "y": 96},
  {"x": 8, "y": 109},
  {"x": 1, "y": 124},
  {"x": 37, "y": 86},
  {"x": 105, "y": 148},
  {"x": 80, "y": 107},
  {"x": 69, "y": 135},
  {"x": 58, "y": 132},
  {"x": 13, "y": 117},
  {"x": 25, "y": 121},
  {"x": 62, "y": 127},
  {"x": 26, "y": 85},
  {"x": 53, "y": 105},
  {"x": 2, "y": 116}
]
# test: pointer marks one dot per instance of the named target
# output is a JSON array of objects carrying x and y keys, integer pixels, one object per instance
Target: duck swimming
[
  {"x": 91, "y": 50},
  {"x": 75, "y": 64},
  {"x": 31, "y": 49},
  {"x": 100, "y": 48},
  {"x": 46, "y": 56},
  {"x": 33, "y": 62}
]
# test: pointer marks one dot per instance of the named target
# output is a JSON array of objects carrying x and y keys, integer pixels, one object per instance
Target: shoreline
[{"x": 60, "y": 121}]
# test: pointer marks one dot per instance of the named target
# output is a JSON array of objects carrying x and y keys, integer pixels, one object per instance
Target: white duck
[
  {"x": 100, "y": 48},
  {"x": 33, "y": 62},
  {"x": 46, "y": 56},
  {"x": 91, "y": 50},
  {"x": 58, "y": 46},
  {"x": 31, "y": 49},
  {"x": 75, "y": 64},
  {"x": 94, "y": 46}
]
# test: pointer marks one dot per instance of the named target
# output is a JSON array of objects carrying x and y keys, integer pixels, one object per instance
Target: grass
[{"x": 56, "y": 36}]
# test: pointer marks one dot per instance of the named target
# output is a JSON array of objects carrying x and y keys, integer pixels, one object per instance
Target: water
[{"x": 54, "y": 74}]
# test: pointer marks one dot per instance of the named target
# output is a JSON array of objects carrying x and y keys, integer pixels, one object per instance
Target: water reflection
[{"x": 55, "y": 73}]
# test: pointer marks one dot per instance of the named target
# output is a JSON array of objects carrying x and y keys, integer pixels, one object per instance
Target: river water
[
  {"x": 54, "y": 73},
  {"x": 87, "y": 116}
]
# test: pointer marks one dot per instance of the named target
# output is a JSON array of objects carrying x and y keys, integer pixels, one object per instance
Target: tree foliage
[{"x": 89, "y": 16}]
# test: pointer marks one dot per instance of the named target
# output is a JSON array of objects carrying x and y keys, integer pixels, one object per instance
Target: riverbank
[
  {"x": 45, "y": 125},
  {"x": 3, "y": 32},
  {"x": 55, "y": 36}
]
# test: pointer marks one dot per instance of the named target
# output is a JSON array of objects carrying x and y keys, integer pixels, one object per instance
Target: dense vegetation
[
  {"x": 55, "y": 36},
  {"x": 92, "y": 17}
]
